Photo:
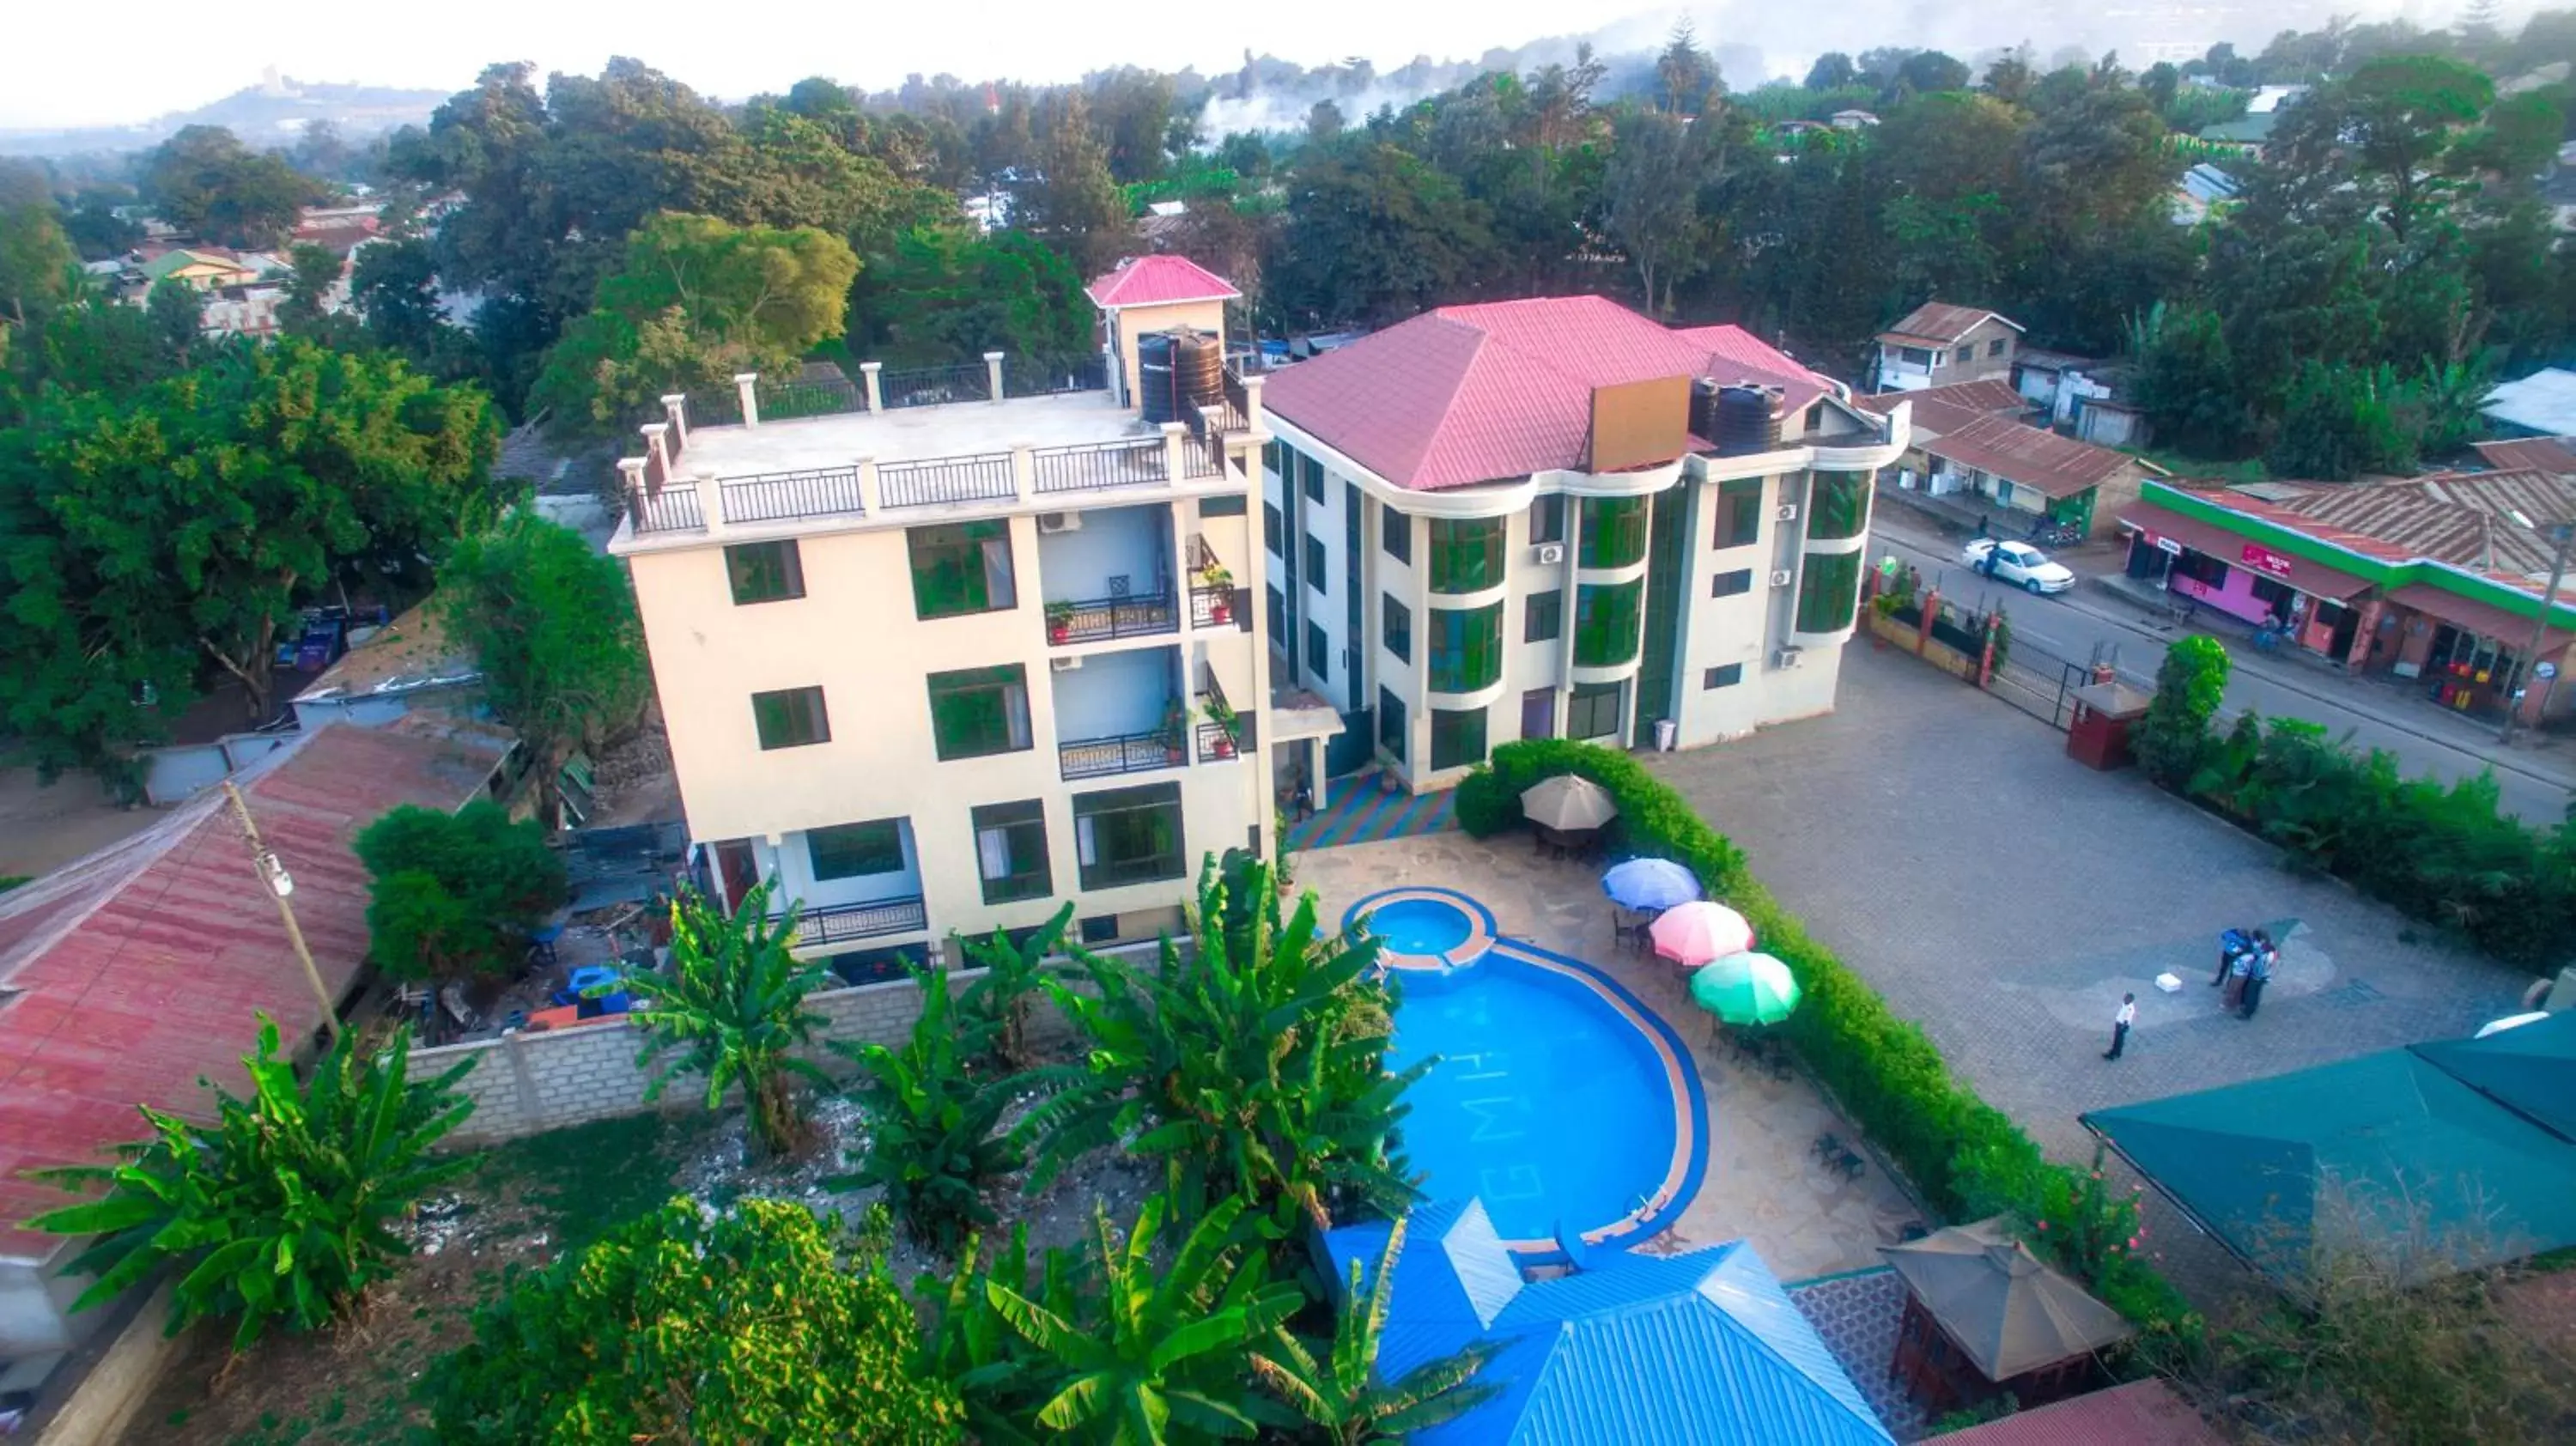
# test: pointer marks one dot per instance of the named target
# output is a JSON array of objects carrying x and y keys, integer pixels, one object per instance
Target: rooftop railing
[
  {"x": 666, "y": 509},
  {"x": 985, "y": 477},
  {"x": 789, "y": 496},
  {"x": 1094, "y": 466},
  {"x": 936, "y": 386}
]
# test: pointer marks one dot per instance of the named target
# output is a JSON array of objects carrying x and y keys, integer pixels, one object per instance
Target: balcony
[
  {"x": 1120, "y": 712},
  {"x": 1221, "y": 607},
  {"x": 1105, "y": 573},
  {"x": 1107, "y": 619},
  {"x": 1122, "y": 753},
  {"x": 876, "y": 918}
]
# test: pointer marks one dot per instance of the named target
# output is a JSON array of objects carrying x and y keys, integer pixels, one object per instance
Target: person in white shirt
[{"x": 2120, "y": 1023}]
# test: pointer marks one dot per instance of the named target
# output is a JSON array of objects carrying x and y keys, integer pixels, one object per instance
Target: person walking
[
  {"x": 2230, "y": 944},
  {"x": 2259, "y": 973},
  {"x": 2239, "y": 969},
  {"x": 2120, "y": 1023}
]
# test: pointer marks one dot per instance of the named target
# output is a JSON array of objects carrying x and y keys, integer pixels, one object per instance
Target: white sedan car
[{"x": 2018, "y": 563}]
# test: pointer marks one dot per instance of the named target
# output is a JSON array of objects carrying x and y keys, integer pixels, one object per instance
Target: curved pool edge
[{"x": 1482, "y": 935}]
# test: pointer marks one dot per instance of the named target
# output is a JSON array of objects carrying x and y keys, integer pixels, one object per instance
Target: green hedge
[{"x": 1967, "y": 1157}]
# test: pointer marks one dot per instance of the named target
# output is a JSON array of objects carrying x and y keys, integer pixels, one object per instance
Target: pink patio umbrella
[{"x": 1698, "y": 932}]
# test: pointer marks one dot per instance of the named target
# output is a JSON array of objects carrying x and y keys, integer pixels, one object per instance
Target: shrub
[
  {"x": 454, "y": 895},
  {"x": 2171, "y": 739},
  {"x": 1969, "y": 1158}
]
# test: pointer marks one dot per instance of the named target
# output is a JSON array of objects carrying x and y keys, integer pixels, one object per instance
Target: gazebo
[{"x": 1984, "y": 1316}]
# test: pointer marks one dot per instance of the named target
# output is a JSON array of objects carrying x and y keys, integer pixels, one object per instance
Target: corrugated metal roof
[
  {"x": 1938, "y": 410},
  {"x": 2485, "y": 520},
  {"x": 1468, "y": 394},
  {"x": 1159, "y": 280},
  {"x": 2531, "y": 454},
  {"x": 2543, "y": 402},
  {"x": 2141, "y": 1413},
  {"x": 1942, "y": 324},
  {"x": 140, "y": 966},
  {"x": 2026, "y": 456}
]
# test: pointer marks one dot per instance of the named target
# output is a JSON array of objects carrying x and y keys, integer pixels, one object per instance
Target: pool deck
[{"x": 1763, "y": 1182}]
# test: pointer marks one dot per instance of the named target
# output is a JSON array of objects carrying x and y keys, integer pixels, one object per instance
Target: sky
[{"x": 164, "y": 57}]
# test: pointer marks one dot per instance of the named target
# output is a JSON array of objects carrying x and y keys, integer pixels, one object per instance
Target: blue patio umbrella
[{"x": 1649, "y": 884}]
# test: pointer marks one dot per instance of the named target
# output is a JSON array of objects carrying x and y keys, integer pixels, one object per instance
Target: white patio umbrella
[
  {"x": 1567, "y": 804},
  {"x": 1700, "y": 931}
]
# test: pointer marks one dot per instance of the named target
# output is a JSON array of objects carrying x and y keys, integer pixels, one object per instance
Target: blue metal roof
[{"x": 1703, "y": 1348}]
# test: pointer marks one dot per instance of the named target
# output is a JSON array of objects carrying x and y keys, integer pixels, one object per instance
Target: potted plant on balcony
[
  {"x": 1221, "y": 582},
  {"x": 1059, "y": 622},
  {"x": 1229, "y": 727},
  {"x": 1176, "y": 728}
]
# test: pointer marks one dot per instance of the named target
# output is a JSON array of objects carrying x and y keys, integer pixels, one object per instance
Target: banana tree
[
  {"x": 934, "y": 1128},
  {"x": 732, "y": 1010},
  {"x": 1340, "y": 1393}
]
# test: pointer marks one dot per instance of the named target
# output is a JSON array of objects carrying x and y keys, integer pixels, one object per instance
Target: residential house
[
  {"x": 1557, "y": 518},
  {"x": 2202, "y": 193},
  {"x": 2439, "y": 579},
  {"x": 204, "y": 268},
  {"x": 1938, "y": 344},
  {"x": 2542, "y": 404},
  {"x": 950, "y": 653},
  {"x": 1973, "y": 459},
  {"x": 2554, "y": 455},
  {"x": 2080, "y": 396},
  {"x": 2248, "y": 133},
  {"x": 131, "y": 973}
]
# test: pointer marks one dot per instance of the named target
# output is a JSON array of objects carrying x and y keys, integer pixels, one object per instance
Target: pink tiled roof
[
  {"x": 1155, "y": 280},
  {"x": 1468, "y": 394},
  {"x": 137, "y": 969}
]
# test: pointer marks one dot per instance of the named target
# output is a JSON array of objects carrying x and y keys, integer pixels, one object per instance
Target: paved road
[{"x": 2533, "y": 783}]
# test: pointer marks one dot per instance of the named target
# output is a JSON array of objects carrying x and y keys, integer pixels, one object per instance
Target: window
[
  {"x": 1967, "y": 354},
  {"x": 1234, "y": 506},
  {"x": 1731, "y": 584},
  {"x": 853, "y": 850},
  {"x": 1318, "y": 652},
  {"x": 1544, "y": 617},
  {"x": 1392, "y": 733},
  {"x": 1593, "y": 711},
  {"x": 1996, "y": 347},
  {"x": 1274, "y": 456},
  {"x": 1466, "y": 648},
  {"x": 1315, "y": 577},
  {"x": 1278, "y": 604},
  {"x": 1725, "y": 677},
  {"x": 1396, "y": 621},
  {"x": 979, "y": 711},
  {"x": 1837, "y": 505},
  {"x": 1606, "y": 622},
  {"x": 1547, "y": 519},
  {"x": 1828, "y": 591},
  {"x": 1271, "y": 529},
  {"x": 1128, "y": 835},
  {"x": 765, "y": 571},
  {"x": 790, "y": 718},
  {"x": 2201, "y": 568},
  {"x": 1466, "y": 553},
  {"x": 1457, "y": 737},
  {"x": 1310, "y": 473},
  {"x": 1099, "y": 928},
  {"x": 1011, "y": 851},
  {"x": 1815, "y": 417},
  {"x": 1739, "y": 512},
  {"x": 961, "y": 569},
  {"x": 1915, "y": 356},
  {"x": 1614, "y": 531},
  {"x": 1395, "y": 534},
  {"x": 2274, "y": 596}
]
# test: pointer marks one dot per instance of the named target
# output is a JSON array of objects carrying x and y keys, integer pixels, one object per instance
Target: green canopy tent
[
  {"x": 2529, "y": 1069},
  {"x": 2387, "y": 1152}
]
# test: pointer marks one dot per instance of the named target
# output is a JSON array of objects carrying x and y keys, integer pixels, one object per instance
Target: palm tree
[
  {"x": 1341, "y": 1394},
  {"x": 1159, "y": 1347},
  {"x": 733, "y": 1007},
  {"x": 934, "y": 1129}
]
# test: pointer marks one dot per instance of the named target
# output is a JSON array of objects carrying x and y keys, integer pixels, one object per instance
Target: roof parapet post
[
  {"x": 872, "y": 373},
  {"x": 1024, "y": 470},
  {"x": 657, "y": 447},
  {"x": 675, "y": 405},
  {"x": 868, "y": 485},
  {"x": 993, "y": 376},
  {"x": 1175, "y": 465},
  {"x": 747, "y": 386}
]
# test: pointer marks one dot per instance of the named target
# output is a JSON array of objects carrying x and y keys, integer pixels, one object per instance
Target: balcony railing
[
  {"x": 1030, "y": 379},
  {"x": 981, "y": 478},
  {"x": 836, "y": 923},
  {"x": 936, "y": 386},
  {"x": 1221, "y": 607},
  {"x": 1217, "y": 744},
  {"x": 1102, "y": 619},
  {"x": 1205, "y": 459},
  {"x": 825, "y": 397},
  {"x": 786, "y": 496},
  {"x": 666, "y": 509},
  {"x": 1125, "y": 753},
  {"x": 1094, "y": 466}
]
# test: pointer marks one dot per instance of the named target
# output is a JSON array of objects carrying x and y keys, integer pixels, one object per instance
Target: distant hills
[{"x": 271, "y": 113}]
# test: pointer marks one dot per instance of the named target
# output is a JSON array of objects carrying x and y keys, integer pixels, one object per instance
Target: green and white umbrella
[{"x": 1746, "y": 989}]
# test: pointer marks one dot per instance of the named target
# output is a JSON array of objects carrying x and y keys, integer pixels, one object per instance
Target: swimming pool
[
  {"x": 1425, "y": 929},
  {"x": 1558, "y": 1098}
]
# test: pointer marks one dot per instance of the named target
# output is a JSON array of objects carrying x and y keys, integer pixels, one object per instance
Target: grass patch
[
  {"x": 2202, "y": 469},
  {"x": 587, "y": 1180}
]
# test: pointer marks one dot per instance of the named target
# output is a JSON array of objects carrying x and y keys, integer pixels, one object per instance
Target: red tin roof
[
  {"x": 2026, "y": 456},
  {"x": 1942, "y": 324},
  {"x": 2531, "y": 454},
  {"x": 1158, "y": 280},
  {"x": 2141, "y": 1413},
  {"x": 1468, "y": 394},
  {"x": 1948, "y": 408},
  {"x": 128, "y": 974}
]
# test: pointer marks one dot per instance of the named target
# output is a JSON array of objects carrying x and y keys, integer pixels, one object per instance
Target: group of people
[{"x": 2245, "y": 963}]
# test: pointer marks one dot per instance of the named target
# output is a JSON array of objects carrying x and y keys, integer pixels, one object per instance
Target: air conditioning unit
[
  {"x": 1059, "y": 522},
  {"x": 1550, "y": 554},
  {"x": 1065, "y": 665},
  {"x": 1783, "y": 577},
  {"x": 1785, "y": 512},
  {"x": 1787, "y": 657}
]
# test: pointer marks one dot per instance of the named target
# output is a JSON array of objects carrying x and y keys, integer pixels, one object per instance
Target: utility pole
[
  {"x": 2566, "y": 532},
  {"x": 274, "y": 878}
]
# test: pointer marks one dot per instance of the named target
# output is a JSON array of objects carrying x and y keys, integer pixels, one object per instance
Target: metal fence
[
  {"x": 784, "y": 401},
  {"x": 835, "y": 922},
  {"x": 666, "y": 509},
  {"x": 985, "y": 477},
  {"x": 785, "y": 496},
  {"x": 1126, "y": 753},
  {"x": 1092, "y": 466},
  {"x": 935, "y": 386},
  {"x": 1103, "y": 619},
  {"x": 1022, "y": 378}
]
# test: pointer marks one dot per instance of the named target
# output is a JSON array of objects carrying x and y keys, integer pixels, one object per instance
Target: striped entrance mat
[{"x": 1364, "y": 815}]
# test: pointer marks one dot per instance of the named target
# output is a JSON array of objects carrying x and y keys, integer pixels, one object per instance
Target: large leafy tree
[
  {"x": 758, "y": 1325},
  {"x": 695, "y": 301},
  {"x": 281, "y": 1209},
  {"x": 36, "y": 261},
  {"x": 1074, "y": 201},
  {"x": 730, "y": 1009},
  {"x": 453, "y": 895},
  {"x": 205, "y": 181},
  {"x": 552, "y": 626},
  {"x": 946, "y": 294},
  {"x": 1375, "y": 234}
]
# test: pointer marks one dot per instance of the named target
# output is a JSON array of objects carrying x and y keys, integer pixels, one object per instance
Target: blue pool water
[
  {"x": 1420, "y": 926},
  {"x": 1546, "y": 1102}
]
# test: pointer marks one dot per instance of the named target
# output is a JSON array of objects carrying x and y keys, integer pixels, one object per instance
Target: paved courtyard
[{"x": 1763, "y": 1182}]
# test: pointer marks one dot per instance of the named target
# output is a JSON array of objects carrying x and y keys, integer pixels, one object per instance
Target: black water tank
[
  {"x": 1703, "y": 408},
  {"x": 1155, "y": 390},
  {"x": 1747, "y": 421},
  {"x": 1198, "y": 367}
]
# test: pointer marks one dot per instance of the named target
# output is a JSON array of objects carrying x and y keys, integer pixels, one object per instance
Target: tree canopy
[{"x": 206, "y": 182}]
